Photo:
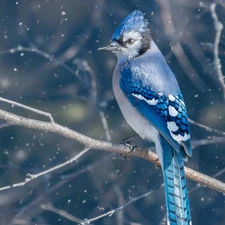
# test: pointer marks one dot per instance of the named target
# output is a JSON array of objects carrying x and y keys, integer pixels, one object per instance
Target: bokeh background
[{"x": 49, "y": 61}]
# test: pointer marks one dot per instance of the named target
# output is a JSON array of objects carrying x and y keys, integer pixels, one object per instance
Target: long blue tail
[{"x": 177, "y": 202}]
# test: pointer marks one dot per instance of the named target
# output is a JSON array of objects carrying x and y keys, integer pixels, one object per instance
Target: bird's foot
[
  {"x": 157, "y": 163},
  {"x": 129, "y": 138},
  {"x": 128, "y": 143}
]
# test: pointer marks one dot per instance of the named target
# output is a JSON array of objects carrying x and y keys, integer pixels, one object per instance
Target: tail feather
[{"x": 178, "y": 208}]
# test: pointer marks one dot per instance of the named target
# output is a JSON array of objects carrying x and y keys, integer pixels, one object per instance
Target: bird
[{"x": 151, "y": 102}]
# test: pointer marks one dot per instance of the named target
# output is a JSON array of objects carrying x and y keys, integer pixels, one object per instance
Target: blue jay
[{"x": 151, "y": 102}]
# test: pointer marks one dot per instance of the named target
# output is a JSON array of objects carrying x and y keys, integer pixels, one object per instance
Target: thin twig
[
  {"x": 105, "y": 125},
  {"x": 177, "y": 49},
  {"x": 111, "y": 212},
  {"x": 29, "y": 108},
  {"x": 217, "y": 63},
  {"x": 2, "y": 125},
  {"x": 41, "y": 199},
  {"x": 209, "y": 129},
  {"x": 120, "y": 215},
  {"x": 208, "y": 141},
  {"x": 31, "y": 177},
  {"x": 42, "y": 53},
  {"x": 61, "y": 213}
]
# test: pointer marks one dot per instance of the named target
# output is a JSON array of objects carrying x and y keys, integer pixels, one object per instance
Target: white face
[{"x": 131, "y": 44}]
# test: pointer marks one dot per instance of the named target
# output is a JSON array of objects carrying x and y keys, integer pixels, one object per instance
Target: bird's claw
[
  {"x": 128, "y": 144},
  {"x": 157, "y": 163}
]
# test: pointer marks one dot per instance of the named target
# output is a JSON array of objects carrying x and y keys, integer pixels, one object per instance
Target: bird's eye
[{"x": 130, "y": 41}]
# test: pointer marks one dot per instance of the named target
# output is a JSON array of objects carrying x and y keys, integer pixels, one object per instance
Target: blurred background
[{"x": 49, "y": 61}]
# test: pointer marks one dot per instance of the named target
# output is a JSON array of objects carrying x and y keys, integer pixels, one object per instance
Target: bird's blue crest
[{"x": 133, "y": 22}]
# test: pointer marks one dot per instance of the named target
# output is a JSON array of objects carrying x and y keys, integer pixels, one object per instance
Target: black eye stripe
[
  {"x": 120, "y": 41},
  {"x": 123, "y": 43}
]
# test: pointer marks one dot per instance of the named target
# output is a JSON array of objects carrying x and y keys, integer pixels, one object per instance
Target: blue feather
[
  {"x": 178, "y": 207},
  {"x": 152, "y": 103},
  {"x": 173, "y": 152},
  {"x": 158, "y": 114},
  {"x": 132, "y": 22}
]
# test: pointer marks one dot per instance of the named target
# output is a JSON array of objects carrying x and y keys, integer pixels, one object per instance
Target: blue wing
[{"x": 167, "y": 113}]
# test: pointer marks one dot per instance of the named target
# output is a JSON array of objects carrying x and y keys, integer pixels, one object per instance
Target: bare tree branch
[
  {"x": 63, "y": 131},
  {"x": 61, "y": 213},
  {"x": 28, "y": 108},
  {"x": 209, "y": 129},
  {"x": 120, "y": 214},
  {"x": 177, "y": 49},
  {"x": 111, "y": 212},
  {"x": 105, "y": 125},
  {"x": 91, "y": 143},
  {"x": 34, "y": 49},
  {"x": 217, "y": 63},
  {"x": 41, "y": 199},
  {"x": 31, "y": 177}
]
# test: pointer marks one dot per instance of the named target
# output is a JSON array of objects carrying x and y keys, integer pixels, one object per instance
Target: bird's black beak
[{"x": 114, "y": 46}]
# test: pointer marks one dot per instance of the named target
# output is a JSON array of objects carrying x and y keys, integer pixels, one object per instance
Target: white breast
[{"x": 139, "y": 124}]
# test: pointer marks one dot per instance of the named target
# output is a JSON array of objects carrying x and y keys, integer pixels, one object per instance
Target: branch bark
[{"x": 91, "y": 143}]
